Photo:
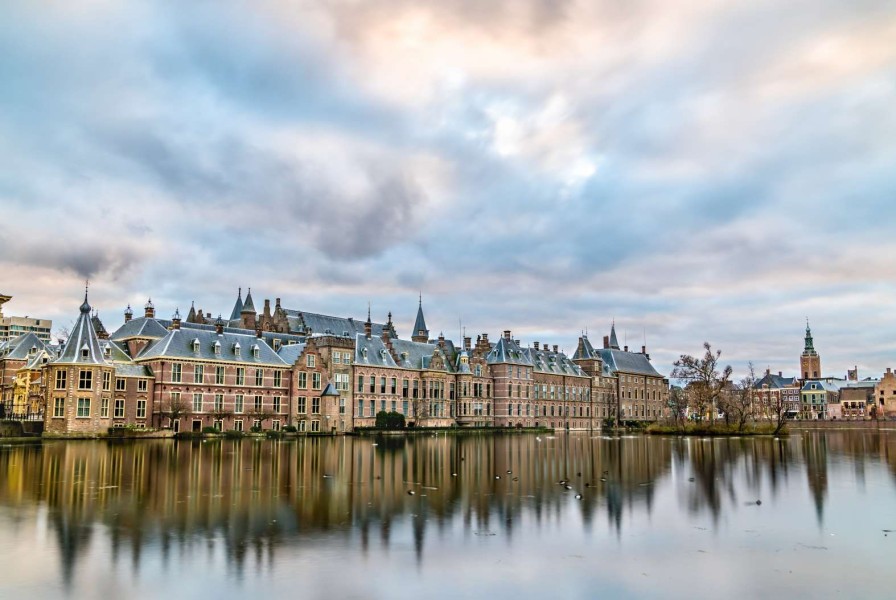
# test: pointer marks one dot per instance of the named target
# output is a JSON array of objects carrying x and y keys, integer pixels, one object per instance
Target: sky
[{"x": 694, "y": 170}]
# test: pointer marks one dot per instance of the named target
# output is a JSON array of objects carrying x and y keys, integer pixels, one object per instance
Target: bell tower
[{"x": 810, "y": 361}]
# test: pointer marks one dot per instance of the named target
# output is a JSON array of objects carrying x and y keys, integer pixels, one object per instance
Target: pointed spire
[
  {"x": 248, "y": 305},
  {"x": 191, "y": 316},
  {"x": 85, "y": 307},
  {"x": 238, "y": 306},
  {"x": 420, "y": 333},
  {"x": 614, "y": 341},
  {"x": 83, "y": 346},
  {"x": 810, "y": 346}
]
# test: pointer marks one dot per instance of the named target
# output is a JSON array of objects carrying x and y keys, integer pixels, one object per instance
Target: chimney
[
  {"x": 175, "y": 320},
  {"x": 208, "y": 315},
  {"x": 643, "y": 349},
  {"x": 507, "y": 334},
  {"x": 219, "y": 325},
  {"x": 368, "y": 329},
  {"x": 606, "y": 342},
  {"x": 535, "y": 344},
  {"x": 267, "y": 307},
  {"x": 441, "y": 340},
  {"x": 625, "y": 349},
  {"x": 128, "y": 314},
  {"x": 277, "y": 303},
  {"x": 149, "y": 311},
  {"x": 780, "y": 373},
  {"x": 467, "y": 343},
  {"x": 556, "y": 348},
  {"x": 258, "y": 331}
]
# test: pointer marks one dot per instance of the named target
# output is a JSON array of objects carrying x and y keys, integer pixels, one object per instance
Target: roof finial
[
  {"x": 86, "y": 285},
  {"x": 420, "y": 301},
  {"x": 368, "y": 311}
]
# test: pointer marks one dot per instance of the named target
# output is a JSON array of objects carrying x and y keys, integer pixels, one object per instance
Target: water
[{"x": 672, "y": 518}]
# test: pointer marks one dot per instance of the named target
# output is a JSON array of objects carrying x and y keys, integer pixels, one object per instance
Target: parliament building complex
[{"x": 317, "y": 373}]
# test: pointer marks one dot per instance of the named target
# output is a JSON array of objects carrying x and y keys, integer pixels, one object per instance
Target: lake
[{"x": 453, "y": 516}]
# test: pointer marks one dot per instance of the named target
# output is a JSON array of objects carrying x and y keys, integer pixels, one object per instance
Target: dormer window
[
  {"x": 236, "y": 349},
  {"x": 32, "y": 351},
  {"x": 364, "y": 353},
  {"x": 217, "y": 348},
  {"x": 383, "y": 354},
  {"x": 277, "y": 344},
  {"x": 107, "y": 350},
  {"x": 85, "y": 351},
  {"x": 196, "y": 345},
  {"x": 255, "y": 351}
]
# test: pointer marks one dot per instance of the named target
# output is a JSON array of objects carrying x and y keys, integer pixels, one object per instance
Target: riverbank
[{"x": 717, "y": 429}]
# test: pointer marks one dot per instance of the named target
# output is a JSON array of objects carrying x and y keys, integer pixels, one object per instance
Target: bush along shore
[{"x": 717, "y": 429}]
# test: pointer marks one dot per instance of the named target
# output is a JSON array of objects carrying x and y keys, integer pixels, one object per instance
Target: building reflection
[{"x": 252, "y": 498}]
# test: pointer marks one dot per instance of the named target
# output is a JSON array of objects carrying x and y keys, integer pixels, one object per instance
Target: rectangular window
[
  {"x": 219, "y": 402},
  {"x": 258, "y": 403},
  {"x": 176, "y": 372},
  {"x": 315, "y": 426},
  {"x": 382, "y": 385},
  {"x": 315, "y": 406},
  {"x": 278, "y": 378},
  {"x": 416, "y": 388},
  {"x": 404, "y": 388},
  {"x": 372, "y": 384},
  {"x": 302, "y": 426},
  {"x": 238, "y": 425},
  {"x": 302, "y": 407},
  {"x": 275, "y": 425},
  {"x": 315, "y": 381},
  {"x": 360, "y": 383},
  {"x": 382, "y": 406},
  {"x": 121, "y": 384},
  {"x": 404, "y": 407},
  {"x": 346, "y": 358},
  {"x": 238, "y": 403},
  {"x": 142, "y": 385},
  {"x": 240, "y": 376},
  {"x": 85, "y": 380},
  {"x": 59, "y": 405},
  {"x": 197, "y": 403},
  {"x": 341, "y": 406},
  {"x": 141, "y": 409},
  {"x": 309, "y": 361},
  {"x": 83, "y": 407},
  {"x": 277, "y": 404},
  {"x": 394, "y": 405},
  {"x": 118, "y": 412},
  {"x": 337, "y": 357},
  {"x": 341, "y": 381},
  {"x": 394, "y": 385},
  {"x": 360, "y": 408},
  {"x": 198, "y": 373},
  {"x": 303, "y": 381},
  {"x": 259, "y": 377},
  {"x": 219, "y": 375},
  {"x": 61, "y": 380}
]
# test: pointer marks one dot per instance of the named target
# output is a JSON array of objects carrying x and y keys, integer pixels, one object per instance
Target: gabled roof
[
  {"x": 627, "y": 362},
  {"x": 179, "y": 344},
  {"x": 83, "y": 345},
  {"x": 318, "y": 323},
  {"x": 820, "y": 385},
  {"x": 776, "y": 382},
  {"x": 291, "y": 353},
  {"x": 506, "y": 350},
  {"x": 419, "y": 354}
]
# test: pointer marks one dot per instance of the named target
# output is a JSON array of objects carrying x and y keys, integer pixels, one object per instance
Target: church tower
[{"x": 810, "y": 362}]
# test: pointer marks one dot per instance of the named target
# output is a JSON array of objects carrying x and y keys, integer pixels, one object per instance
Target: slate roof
[
  {"x": 82, "y": 338},
  {"x": 557, "y": 363},
  {"x": 141, "y": 327},
  {"x": 372, "y": 351},
  {"x": 614, "y": 342},
  {"x": 132, "y": 370},
  {"x": 248, "y": 305},
  {"x": 827, "y": 386},
  {"x": 237, "y": 307},
  {"x": 290, "y": 354},
  {"x": 584, "y": 350},
  {"x": 775, "y": 382},
  {"x": 178, "y": 343},
  {"x": 420, "y": 322},
  {"x": 317, "y": 323},
  {"x": 627, "y": 362},
  {"x": 507, "y": 351},
  {"x": 461, "y": 366},
  {"x": 19, "y": 348},
  {"x": 419, "y": 354}
]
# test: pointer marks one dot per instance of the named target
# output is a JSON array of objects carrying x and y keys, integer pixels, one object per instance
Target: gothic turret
[
  {"x": 247, "y": 312},
  {"x": 238, "y": 306}
]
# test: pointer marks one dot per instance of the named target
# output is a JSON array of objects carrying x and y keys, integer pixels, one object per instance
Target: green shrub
[
  {"x": 233, "y": 434},
  {"x": 210, "y": 430},
  {"x": 389, "y": 420},
  {"x": 290, "y": 429}
]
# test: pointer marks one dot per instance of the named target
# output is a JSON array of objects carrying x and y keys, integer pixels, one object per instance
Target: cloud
[{"x": 703, "y": 171}]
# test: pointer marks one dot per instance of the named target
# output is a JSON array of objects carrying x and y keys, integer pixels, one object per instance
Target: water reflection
[{"x": 254, "y": 499}]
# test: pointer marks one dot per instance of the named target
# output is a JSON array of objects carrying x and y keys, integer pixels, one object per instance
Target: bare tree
[
  {"x": 174, "y": 410},
  {"x": 706, "y": 380},
  {"x": 678, "y": 406},
  {"x": 740, "y": 400},
  {"x": 773, "y": 405}
]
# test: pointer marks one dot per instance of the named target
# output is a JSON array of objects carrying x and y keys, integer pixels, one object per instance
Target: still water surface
[{"x": 647, "y": 517}]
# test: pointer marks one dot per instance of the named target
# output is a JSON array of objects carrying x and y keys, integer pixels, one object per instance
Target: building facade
[{"x": 13, "y": 327}]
